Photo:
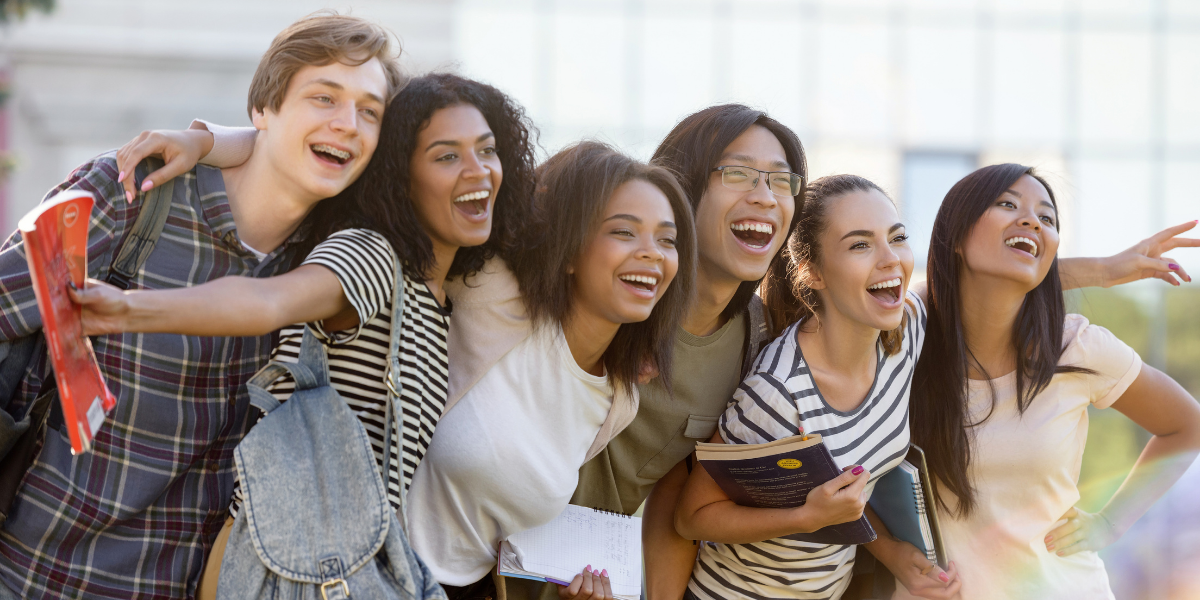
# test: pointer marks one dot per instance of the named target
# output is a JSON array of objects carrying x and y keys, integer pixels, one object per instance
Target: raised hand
[
  {"x": 180, "y": 150},
  {"x": 1145, "y": 259}
]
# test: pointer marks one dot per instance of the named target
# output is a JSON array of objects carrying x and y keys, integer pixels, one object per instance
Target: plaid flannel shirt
[{"x": 136, "y": 516}]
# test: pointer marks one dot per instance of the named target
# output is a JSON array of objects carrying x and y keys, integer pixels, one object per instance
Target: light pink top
[{"x": 1025, "y": 468}]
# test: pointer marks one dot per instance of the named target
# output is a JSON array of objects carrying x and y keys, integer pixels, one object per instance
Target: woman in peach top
[{"x": 1007, "y": 447}]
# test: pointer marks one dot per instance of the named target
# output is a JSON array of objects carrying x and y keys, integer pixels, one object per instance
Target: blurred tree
[{"x": 16, "y": 9}]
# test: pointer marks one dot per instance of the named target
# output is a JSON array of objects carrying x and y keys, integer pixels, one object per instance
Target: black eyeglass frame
[{"x": 796, "y": 183}]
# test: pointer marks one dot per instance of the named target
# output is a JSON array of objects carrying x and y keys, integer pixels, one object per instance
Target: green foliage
[{"x": 11, "y": 10}]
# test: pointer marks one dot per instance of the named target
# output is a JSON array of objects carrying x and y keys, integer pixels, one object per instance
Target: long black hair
[
  {"x": 693, "y": 148},
  {"x": 938, "y": 407},
  {"x": 381, "y": 198},
  {"x": 573, "y": 190}
]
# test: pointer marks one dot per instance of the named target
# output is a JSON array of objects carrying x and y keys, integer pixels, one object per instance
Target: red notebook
[{"x": 55, "y": 235}]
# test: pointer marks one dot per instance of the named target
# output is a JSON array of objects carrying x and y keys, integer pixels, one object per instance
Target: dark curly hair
[
  {"x": 380, "y": 200},
  {"x": 573, "y": 190}
]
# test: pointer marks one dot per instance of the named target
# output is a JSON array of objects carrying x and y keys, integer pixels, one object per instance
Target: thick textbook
[
  {"x": 559, "y": 550},
  {"x": 903, "y": 500},
  {"x": 780, "y": 474},
  {"x": 55, "y": 237}
]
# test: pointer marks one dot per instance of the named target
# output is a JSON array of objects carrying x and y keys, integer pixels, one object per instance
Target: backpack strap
[
  {"x": 138, "y": 245},
  {"x": 392, "y": 417}
]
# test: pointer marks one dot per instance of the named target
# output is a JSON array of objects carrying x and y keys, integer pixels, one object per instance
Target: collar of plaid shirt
[{"x": 136, "y": 517}]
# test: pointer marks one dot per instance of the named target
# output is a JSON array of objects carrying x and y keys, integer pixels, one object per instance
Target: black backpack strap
[{"x": 138, "y": 245}]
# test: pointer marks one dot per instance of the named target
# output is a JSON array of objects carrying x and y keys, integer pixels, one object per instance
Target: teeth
[
  {"x": 342, "y": 154},
  {"x": 646, "y": 279},
  {"x": 766, "y": 228},
  {"x": 885, "y": 284},
  {"x": 1016, "y": 240},
  {"x": 480, "y": 195}
]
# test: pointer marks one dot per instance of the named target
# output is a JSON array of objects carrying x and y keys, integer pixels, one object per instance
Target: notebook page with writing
[{"x": 580, "y": 537}]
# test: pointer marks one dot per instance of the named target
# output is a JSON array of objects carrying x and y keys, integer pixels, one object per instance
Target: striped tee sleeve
[
  {"x": 762, "y": 411},
  {"x": 918, "y": 321},
  {"x": 364, "y": 264}
]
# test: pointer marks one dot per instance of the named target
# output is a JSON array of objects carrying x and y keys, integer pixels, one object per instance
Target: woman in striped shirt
[{"x": 841, "y": 369}]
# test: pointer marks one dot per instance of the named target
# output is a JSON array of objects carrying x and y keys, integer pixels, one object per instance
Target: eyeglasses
[{"x": 744, "y": 179}]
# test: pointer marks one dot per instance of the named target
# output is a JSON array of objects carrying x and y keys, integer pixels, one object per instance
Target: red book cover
[{"x": 55, "y": 235}]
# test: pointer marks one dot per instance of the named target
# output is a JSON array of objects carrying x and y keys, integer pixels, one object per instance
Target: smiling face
[
  {"x": 740, "y": 232},
  {"x": 865, "y": 262},
  {"x": 326, "y": 128},
  {"x": 630, "y": 260},
  {"x": 1016, "y": 238},
  {"x": 456, "y": 175}
]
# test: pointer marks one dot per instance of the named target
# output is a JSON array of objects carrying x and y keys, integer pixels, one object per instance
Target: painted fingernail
[
  {"x": 1049, "y": 539},
  {"x": 120, "y": 176},
  {"x": 587, "y": 568},
  {"x": 1173, "y": 266},
  {"x": 856, "y": 470},
  {"x": 944, "y": 577},
  {"x": 129, "y": 196},
  {"x": 147, "y": 185},
  {"x": 604, "y": 573},
  {"x": 1049, "y": 546},
  {"x": 1060, "y": 553}
]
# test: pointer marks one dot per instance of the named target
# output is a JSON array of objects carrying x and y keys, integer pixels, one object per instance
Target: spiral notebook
[
  {"x": 559, "y": 550},
  {"x": 903, "y": 500}
]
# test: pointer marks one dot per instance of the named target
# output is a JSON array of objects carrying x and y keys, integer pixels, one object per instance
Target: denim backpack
[{"x": 315, "y": 521}]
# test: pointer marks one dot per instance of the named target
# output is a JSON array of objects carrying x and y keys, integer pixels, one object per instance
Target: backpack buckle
[{"x": 325, "y": 586}]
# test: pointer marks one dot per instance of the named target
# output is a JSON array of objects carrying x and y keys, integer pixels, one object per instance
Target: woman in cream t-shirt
[{"x": 1007, "y": 446}]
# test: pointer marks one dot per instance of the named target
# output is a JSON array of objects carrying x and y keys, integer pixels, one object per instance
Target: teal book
[
  {"x": 780, "y": 474},
  {"x": 903, "y": 500}
]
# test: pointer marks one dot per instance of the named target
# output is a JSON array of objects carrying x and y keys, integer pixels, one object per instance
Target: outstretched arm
[
  {"x": 1162, "y": 407},
  {"x": 1143, "y": 260},
  {"x": 229, "y": 306}
]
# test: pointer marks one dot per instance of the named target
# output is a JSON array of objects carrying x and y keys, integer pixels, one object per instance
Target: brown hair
[
  {"x": 694, "y": 147},
  {"x": 319, "y": 39},
  {"x": 786, "y": 293},
  {"x": 573, "y": 190}
]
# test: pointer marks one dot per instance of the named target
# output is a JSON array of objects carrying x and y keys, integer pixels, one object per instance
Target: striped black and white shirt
[
  {"x": 780, "y": 399},
  {"x": 363, "y": 262}
]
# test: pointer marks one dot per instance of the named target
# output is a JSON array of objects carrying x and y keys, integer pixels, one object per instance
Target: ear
[
  {"x": 259, "y": 119},
  {"x": 812, "y": 275}
]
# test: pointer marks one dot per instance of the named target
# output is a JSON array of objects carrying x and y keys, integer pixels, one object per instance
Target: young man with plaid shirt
[{"x": 136, "y": 516}]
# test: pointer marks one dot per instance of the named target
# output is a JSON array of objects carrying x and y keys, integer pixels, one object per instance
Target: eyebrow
[
  {"x": 1045, "y": 203},
  {"x": 455, "y": 143},
  {"x": 778, "y": 164},
  {"x": 866, "y": 233},
  {"x": 637, "y": 219},
  {"x": 329, "y": 83}
]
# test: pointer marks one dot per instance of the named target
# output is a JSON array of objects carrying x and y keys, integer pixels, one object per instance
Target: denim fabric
[{"x": 315, "y": 510}]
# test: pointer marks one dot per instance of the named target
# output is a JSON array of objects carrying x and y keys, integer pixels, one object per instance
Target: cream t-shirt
[
  {"x": 506, "y": 458},
  {"x": 1026, "y": 468}
]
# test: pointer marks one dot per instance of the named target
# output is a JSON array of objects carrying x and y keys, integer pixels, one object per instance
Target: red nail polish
[
  {"x": 1173, "y": 266},
  {"x": 857, "y": 470},
  {"x": 944, "y": 577}
]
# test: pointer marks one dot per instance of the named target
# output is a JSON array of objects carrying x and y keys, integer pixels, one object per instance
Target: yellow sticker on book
[{"x": 789, "y": 463}]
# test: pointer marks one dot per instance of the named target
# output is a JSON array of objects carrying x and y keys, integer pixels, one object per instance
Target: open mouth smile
[
  {"x": 1023, "y": 244},
  {"x": 642, "y": 286},
  {"x": 755, "y": 235},
  {"x": 328, "y": 153},
  {"x": 887, "y": 292},
  {"x": 473, "y": 204}
]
